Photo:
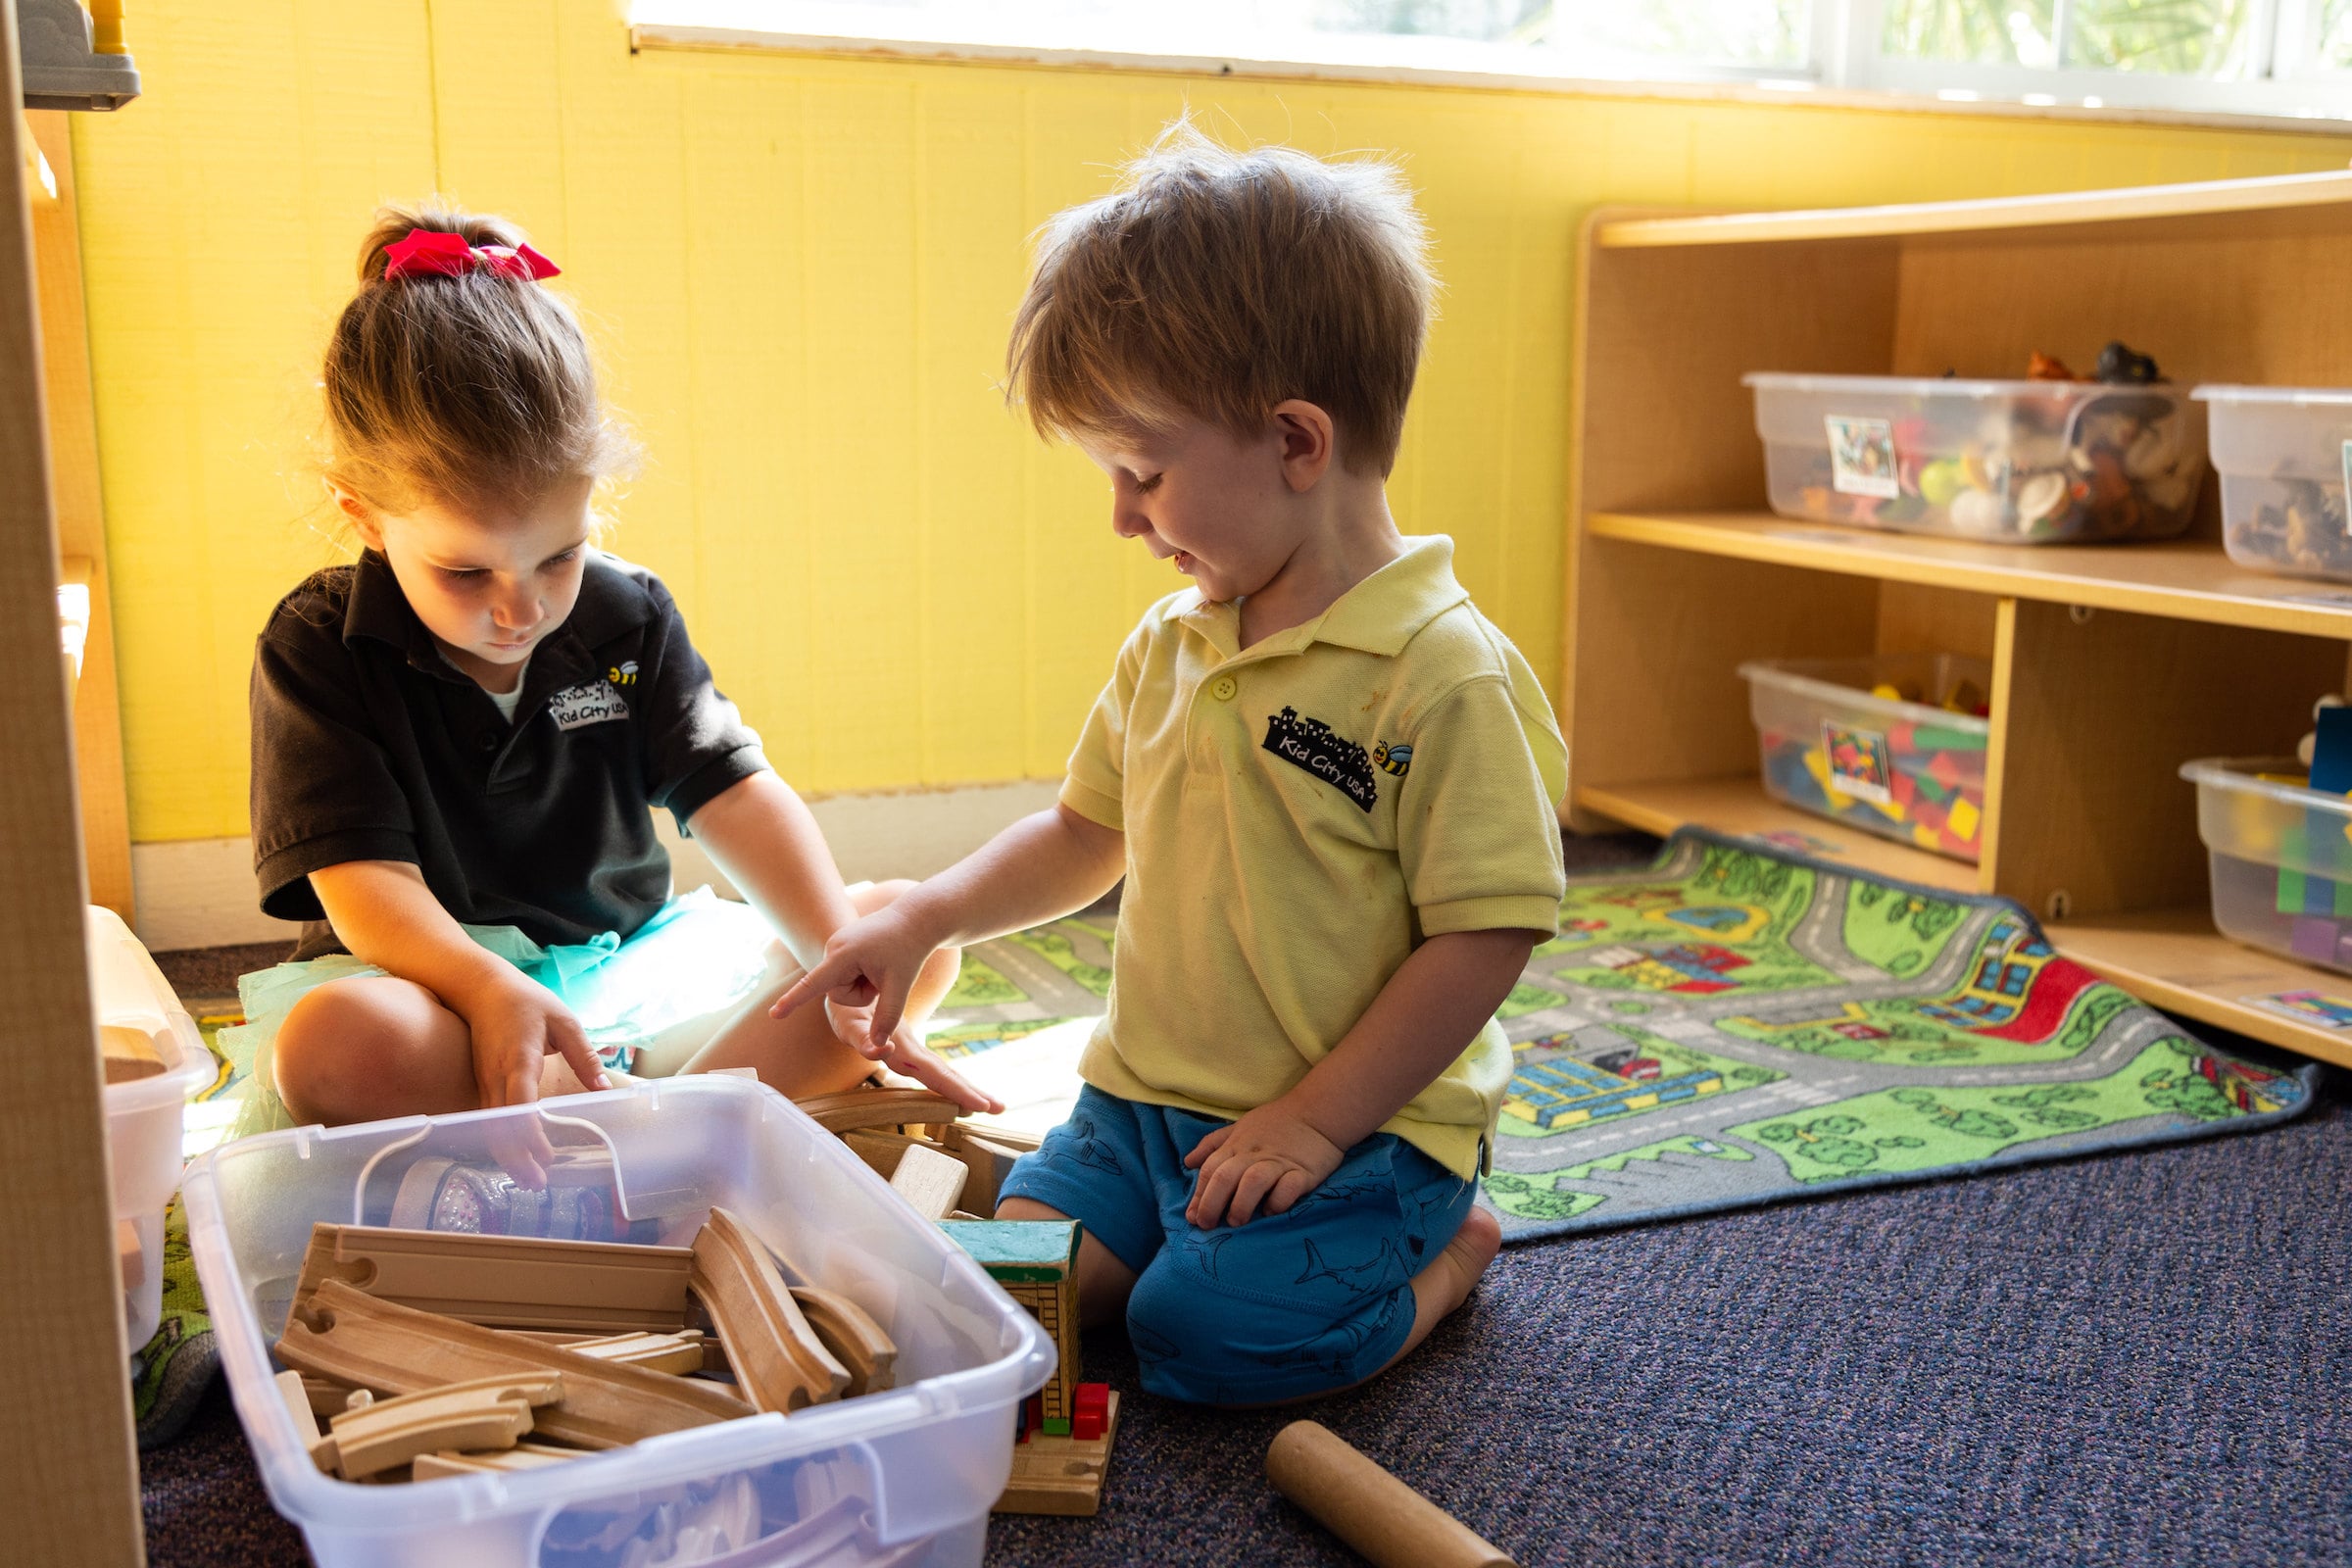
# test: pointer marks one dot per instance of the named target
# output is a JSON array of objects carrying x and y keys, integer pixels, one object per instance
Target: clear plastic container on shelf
[
  {"x": 904, "y": 1477},
  {"x": 2285, "y": 455},
  {"x": 2282, "y": 858},
  {"x": 1905, "y": 767},
  {"x": 155, "y": 1059},
  {"x": 2014, "y": 462}
]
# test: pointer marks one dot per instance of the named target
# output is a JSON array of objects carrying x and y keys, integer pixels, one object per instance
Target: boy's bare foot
[{"x": 1451, "y": 1275}]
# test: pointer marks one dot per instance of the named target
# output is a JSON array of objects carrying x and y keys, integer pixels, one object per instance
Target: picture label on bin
[
  {"x": 1861, "y": 763},
  {"x": 1862, "y": 456},
  {"x": 2346, "y": 459}
]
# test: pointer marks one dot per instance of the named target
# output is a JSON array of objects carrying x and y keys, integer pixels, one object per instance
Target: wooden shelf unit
[{"x": 2112, "y": 664}]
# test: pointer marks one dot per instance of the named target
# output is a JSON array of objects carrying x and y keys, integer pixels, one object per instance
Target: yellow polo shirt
[{"x": 1299, "y": 815}]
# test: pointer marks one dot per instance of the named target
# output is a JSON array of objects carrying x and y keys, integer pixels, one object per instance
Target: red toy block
[
  {"x": 1093, "y": 1410},
  {"x": 1033, "y": 1415}
]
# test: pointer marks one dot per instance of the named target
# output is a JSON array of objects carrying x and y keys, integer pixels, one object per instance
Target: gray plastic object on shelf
[{"x": 61, "y": 69}]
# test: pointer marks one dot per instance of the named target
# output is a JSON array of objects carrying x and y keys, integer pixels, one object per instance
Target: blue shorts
[{"x": 1283, "y": 1308}]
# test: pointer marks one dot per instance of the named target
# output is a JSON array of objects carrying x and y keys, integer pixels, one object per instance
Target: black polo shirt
[{"x": 367, "y": 745}]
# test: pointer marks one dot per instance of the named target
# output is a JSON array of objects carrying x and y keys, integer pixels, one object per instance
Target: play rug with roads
[{"x": 1731, "y": 1025}]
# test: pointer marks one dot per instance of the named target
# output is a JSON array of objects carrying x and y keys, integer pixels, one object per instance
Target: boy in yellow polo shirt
[{"x": 1329, "y": 782}]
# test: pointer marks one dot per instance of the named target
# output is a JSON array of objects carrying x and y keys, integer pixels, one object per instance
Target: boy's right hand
[{"x": 869, "y": 963}]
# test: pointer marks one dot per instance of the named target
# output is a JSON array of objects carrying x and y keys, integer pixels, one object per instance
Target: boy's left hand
[{"x": 1266, "y": 1161}]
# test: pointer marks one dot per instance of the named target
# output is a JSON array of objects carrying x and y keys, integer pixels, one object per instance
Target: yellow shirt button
[{"x": 1223, "y": 688}]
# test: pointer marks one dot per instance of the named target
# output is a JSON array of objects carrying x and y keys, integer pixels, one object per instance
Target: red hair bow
[{"x": 437, "y": 251}]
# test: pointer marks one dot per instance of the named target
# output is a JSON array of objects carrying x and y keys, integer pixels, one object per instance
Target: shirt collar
[
  {"x": 1378, "y": 615},
  {"x": 612, "y": 600}
]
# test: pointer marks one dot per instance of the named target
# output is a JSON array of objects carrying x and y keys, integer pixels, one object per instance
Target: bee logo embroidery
[
  {"x": 1395, "y": 760},
  {"x": 623, "y": 674}
]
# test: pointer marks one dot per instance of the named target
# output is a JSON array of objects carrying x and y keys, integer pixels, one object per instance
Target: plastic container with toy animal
[
  {"x": 2013, "y": 462},
  {"x": 155, "y": 1059},
  {"x": 2285, "y": 455},
  {"x": 903, "y": 1476},
  {"x": 1892, "y": 744},
  {"x": 2282, "y": 858}
]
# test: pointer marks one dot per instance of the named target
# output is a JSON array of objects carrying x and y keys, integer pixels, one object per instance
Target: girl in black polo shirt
[{"x": 458, "y": 741}]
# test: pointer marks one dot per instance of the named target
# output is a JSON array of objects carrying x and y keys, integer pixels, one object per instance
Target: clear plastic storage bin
[
  {"x": 2282, "y": 858},
  {"x": 1908, "y": 771},
  {"x": 2019, "y": 462},
  {"x": 140, "y": 1019},
  {"x": 2283, "y": 455},
  {"x": 901, "y": 1478}
]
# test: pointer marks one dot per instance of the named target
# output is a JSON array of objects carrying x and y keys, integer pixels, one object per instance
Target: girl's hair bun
[{"x": 394, "y": 224}]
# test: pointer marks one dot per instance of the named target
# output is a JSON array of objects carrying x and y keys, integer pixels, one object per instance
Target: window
[{"x": 2250, "y": 57}]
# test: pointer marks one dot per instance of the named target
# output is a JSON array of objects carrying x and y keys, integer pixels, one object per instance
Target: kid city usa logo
[{"x": 1338, "y": 762}]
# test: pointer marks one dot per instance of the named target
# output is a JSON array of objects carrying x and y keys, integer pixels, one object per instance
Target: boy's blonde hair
[
  {"x": 1215, "y": 285},
  {"x": 476, "y": 386}
]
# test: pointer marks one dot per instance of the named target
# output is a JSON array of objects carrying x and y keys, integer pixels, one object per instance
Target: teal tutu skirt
[{"x": 646, "y": 1003}]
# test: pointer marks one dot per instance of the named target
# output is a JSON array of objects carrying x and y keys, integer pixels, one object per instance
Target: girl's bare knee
[{"x": 364, "y": 1047}]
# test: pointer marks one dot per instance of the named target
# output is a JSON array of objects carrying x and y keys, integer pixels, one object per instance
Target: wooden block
[
  {"x": 677, "y": 1353},
  {"x": 931, "y": 1182},
  {"x": 598, "y": 1287},
  {"x": 1092, "y": 1412},
  {"x": 1035, "y": 1261},
  {"x": 855, "y": 1340},
  {"x": 780, "y": 1363},
  {"x": 522, "y": 1456},
  {"x": 1061, "y": 1474},
  {"x": 880, "y": 1108},
  {"x": 484, "y": 1413},
  {"x": 344, "y": 1334},
  {"x": 1389, "y": 1522}
]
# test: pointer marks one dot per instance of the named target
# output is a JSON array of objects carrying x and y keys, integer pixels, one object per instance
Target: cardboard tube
[{"x": 1389, "y": 1523}]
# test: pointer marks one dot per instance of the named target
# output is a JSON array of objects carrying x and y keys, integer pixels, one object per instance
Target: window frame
[{"x": 1846, "y": 64}]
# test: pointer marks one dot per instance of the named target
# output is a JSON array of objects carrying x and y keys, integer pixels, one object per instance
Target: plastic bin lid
[
  {"x": 128, "y": 991},
  {"x": 2238, "y": 773},
  {"x": 1919, "y": 386},
  {"x": 2220, "y": 392}
]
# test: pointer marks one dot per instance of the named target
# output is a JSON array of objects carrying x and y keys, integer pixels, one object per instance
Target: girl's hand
[
  {"x": 1267, "y": 1161},
  {"x": 515, "y": 1023},
  {"x": 904, "y": 1051}
]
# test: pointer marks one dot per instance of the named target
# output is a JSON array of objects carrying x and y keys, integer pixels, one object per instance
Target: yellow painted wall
[{"x": 801, "y": 271}]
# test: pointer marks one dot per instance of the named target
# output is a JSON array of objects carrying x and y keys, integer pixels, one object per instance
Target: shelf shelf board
[
  {"x": 2189, "y": 579},
  {"x": 2205, "y": 198},
  {"x": 2175, "y": 960},
  {"x": 1740, "y": 805},
  {"x": 2170, "y": 958}
]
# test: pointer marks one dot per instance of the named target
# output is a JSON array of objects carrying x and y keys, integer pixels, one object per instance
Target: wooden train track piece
[
  {"x": 880, "y": 1108},
  {"x": 374, "y": 1435},
  {"x": 779, "y": 1362},
  {"x": 347, "y": 1335},
  {"x": 522, "y": 1456},
  {"x": 678, "y": 1353},
  {"x": 855, "y": 1340},
  {"x": 598, "y": 1287}
]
